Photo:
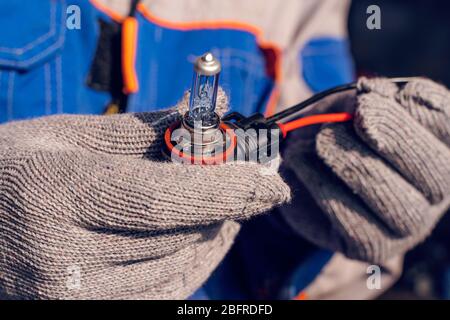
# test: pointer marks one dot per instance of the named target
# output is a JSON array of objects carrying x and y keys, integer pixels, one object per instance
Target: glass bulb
[{"x": 205, "y": 83}]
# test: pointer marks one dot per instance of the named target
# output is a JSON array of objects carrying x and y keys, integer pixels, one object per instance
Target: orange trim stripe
[
  {"x": 196, "y": 25},
  {"x": 218, "y": 24},
  {"x": 129, "y": 43},
  {"x": 227, "y": 24},
  {"x": 105, "y": 9},
  {"x": 273, "y": 101},
  {"x": 301, "y": 296}
]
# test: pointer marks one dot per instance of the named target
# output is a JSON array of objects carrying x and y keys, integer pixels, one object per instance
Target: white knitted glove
[
  {"x": 89, "y": 210},
  {"x": 383, "y": 182}
]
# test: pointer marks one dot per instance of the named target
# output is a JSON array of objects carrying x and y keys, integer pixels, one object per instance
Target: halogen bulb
[{"x": 202, "y": 103}]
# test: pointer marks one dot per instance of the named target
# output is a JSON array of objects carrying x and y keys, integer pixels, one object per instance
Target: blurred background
[{"x": 414, "y": 40}]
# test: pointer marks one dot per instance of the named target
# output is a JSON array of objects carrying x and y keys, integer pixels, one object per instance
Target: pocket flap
[{"x": 31, "y": 31}]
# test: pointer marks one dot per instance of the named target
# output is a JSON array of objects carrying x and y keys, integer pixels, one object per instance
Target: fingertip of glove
[
  {"x": 271, "y": 189},
  {"x": 377, "y": 118},
  {"x": 329, "y": 137},
  {"x": 257, "y": 187},
  {"x": 419, "y": 85},
  {"x": 222, "y": 103},
  {"x": 324, "y": 139},
  {"x": 230, "y": 229},
  {"x": 381, "y": 86},
  {"x": 423, "y": 92},
  {"x": 183, "y": 104}
]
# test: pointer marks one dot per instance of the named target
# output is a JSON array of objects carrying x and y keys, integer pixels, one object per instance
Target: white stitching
[
  {"x": 10, "y": 102},
  {"x": 48, "y": 86},
  {"x": 59, "y": 85},
  {"x": 26, "y": 63},
  {"x": 49, "y": 50},
  {"x": 253, "y": 68}
]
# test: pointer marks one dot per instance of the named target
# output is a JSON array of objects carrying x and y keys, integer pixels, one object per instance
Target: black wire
[
  {"x": 315, "y": 98},
  {"x": 319, "y": 96}
]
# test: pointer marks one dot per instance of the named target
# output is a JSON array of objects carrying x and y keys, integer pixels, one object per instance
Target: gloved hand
[
  {"x": 89, "y": 210},
  {"x": 382, "y": 182}
]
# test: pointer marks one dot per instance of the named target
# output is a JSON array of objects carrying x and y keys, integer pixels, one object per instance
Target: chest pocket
[
  {"x": 167, "y": 50},
  {"x": 32, "y": 36}
]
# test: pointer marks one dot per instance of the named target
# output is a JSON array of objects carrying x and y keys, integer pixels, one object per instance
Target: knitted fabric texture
[
  {"x": 383, "y": 182},
  {"x": 89, "y": 209}
]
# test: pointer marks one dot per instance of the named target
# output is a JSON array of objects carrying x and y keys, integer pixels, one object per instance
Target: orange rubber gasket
[{"x": 222, "y": 157}]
